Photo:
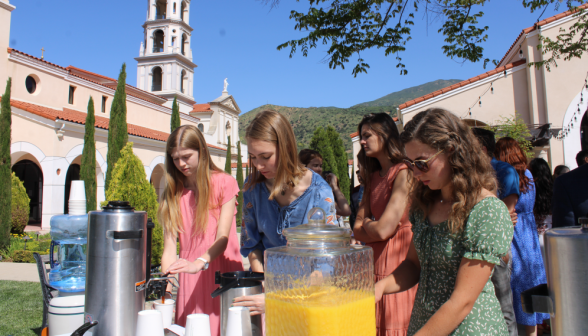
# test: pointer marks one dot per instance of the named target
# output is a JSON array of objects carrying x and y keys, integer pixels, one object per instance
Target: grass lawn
[{"x": 21, "y": 308}]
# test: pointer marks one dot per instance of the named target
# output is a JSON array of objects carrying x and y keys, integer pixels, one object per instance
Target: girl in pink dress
[{"x": 198, "y": 206}]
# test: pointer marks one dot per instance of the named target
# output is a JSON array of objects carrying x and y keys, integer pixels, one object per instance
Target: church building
[{"x": 49, "y": 102}]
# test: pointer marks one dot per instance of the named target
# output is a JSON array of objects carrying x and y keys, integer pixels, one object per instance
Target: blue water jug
[{"x": 70, "y": 235}]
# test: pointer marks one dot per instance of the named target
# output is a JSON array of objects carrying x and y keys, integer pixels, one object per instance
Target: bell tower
[{"x": 165, "y": 66}]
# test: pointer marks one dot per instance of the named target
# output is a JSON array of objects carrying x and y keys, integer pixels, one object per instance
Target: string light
[{"x": 565, "y": 131}]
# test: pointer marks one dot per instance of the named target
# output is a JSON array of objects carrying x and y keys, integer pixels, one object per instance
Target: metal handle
[
  {"x": 124, "y": 234},
  {"x": 52, "y": 263},
  {"x": 82, "y": 330},
  {"x": 225, "y": 288}
]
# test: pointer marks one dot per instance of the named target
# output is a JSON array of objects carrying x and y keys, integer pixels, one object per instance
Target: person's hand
[
  {"x": 184, "y": 266},
  {"x": 353, "y": 241},
  {"x": 514, "y": 217},
  {"x": 379, "y": 290},
  {"x": 255, "y": 303},
  {"x": 332, "y": 180}
]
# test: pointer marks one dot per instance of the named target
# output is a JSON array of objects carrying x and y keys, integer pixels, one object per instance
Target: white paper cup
[
  {"x": 167, "y": 311},
  {"x": 197, "y": 325},
  {"x": 239, "y": 322},
  {"x": 149, "y": 323},
  {"x": 77, "y": 191}
]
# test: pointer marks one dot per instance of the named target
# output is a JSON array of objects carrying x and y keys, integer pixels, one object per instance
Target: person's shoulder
[
  {"x": 318, "y": 181},
  {"x": 488, "y": 206},
  {"x": 503, "y": 167},
  {"x": 218, "y": 176}
]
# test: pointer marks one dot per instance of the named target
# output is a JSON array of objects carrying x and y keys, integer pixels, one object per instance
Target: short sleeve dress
[
  {"x": 195, "y": 289},
  {"x": 486, "y": 236}
]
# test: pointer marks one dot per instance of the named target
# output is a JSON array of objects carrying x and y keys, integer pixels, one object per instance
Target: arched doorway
[
  {"x": 184, "y": 44},
  {"x": 183, "y": 79},
  {"x": 32, "y": 177},
  {"x": 158, "y": 39},
  {"x": 584, "y": 132},
  {"x": 158, "y": 180},
  {"x": 73, "y": 173},
  {"x": 160, "y": 10}
]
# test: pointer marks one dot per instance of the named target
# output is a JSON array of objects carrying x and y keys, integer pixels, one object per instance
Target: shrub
[
  {"x": 20, "y": 205},
  {"x": 23, "y": 257},
  {"x": 129, "y": 183}
]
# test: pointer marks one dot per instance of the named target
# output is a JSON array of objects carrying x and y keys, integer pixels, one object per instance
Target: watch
[{"x": 205, "y": 263}]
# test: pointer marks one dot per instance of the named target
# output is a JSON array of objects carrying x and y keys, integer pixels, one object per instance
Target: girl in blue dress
[
  {"x": 528, "y": 269},
  {"x": 279, "y": 192}
]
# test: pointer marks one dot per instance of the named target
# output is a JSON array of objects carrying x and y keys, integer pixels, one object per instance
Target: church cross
[{"x": 42, "y": 53}]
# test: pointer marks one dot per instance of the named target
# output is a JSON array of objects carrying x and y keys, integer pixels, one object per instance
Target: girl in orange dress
[
  {"x": 199, "y": 208},
  {"x": 382, "y": 219}
]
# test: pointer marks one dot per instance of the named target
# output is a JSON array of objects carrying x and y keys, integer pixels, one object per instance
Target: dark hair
[
  {"x": 581, "y": 157},
  {"x": 543, "y": 188},
  {"x": 509, "y": 151},
  {"x": 384, "y": 127},
  {"x": 307, "y": 155},
  {"x": 558, "y": 171},
  {"x": 470, "y": 168},
  {"x": 486, "y": 138}
]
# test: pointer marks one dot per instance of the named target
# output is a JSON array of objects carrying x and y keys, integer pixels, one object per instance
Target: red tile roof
[
  {"x": 38, "y": 59},
  {"x": 539, "y": 24},
  {"x": 80, "y": 118},
  {"x": 90, "y": 73},
  {"x": 461, "y": 84},
  {"x": 234, "y": 165},
  {"x": 200, "y": 108}
]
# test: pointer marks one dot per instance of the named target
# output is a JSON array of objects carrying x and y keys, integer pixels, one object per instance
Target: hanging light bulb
[
  {"x": 491, "y": 89},
  {"x": 575, "y": 118},
  {"x": 480, "y": 103},
  {"x": 521, "y": 53}
]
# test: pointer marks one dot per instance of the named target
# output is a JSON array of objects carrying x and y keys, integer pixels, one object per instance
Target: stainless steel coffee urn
[
  {"x": 116, "y": 269},
  {"x": 234, "y": 285},
  {"x": 565, "y": 296}
]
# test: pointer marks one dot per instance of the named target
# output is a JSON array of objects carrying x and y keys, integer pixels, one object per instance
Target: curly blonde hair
[{"x": 470, "y": 166}]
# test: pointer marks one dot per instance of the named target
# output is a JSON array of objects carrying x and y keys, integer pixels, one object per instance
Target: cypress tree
[
  {"x": 88, "y": 168},
  {"x": 247, "y": 168},
  {"x": 5, "y": 165},
  {"x": 320, "y": 143},
  {"x": 340, "y": 159},
  {"x": 129, "y": 183},
  {"x": 117, "y": 125},
  {"x": 175, "y": 117},
  {"x": 240, "y": 183},
  {"x": 228, "y": 168}
]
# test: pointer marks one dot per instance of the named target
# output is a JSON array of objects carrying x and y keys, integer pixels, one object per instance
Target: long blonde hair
[
  {"x": 273, "y": 127},
  {"x": 169, "y": 212},
  {"x": 470, "y": 166}
]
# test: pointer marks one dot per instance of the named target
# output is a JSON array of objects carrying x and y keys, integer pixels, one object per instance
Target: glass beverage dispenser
[{"x": 318, "y": 282}]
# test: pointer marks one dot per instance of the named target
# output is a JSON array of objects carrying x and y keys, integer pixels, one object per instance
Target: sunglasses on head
[{"x": 422, "y": 165}]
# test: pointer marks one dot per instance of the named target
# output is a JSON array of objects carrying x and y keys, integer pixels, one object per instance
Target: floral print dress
[{"x": 486, "y": 236}]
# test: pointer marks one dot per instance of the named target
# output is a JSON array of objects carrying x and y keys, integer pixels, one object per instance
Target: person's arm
[
  {"x": 169, "y": 255},
  {"x": 341, "y": 205},
  {"x": 383, "y": 228},
  {"x": 216, "y": 249},
  {"x": 563, "y": 212},
  {"x": 511, "y": 202},
  {"x": 404, "y": 277},
  {"x": 256, "y": 261},
  {"x": 472, "y": 276}
]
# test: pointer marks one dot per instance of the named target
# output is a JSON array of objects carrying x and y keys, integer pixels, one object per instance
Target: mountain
[
  {"x": 400, "y": 97},
  {"x": 305, "y": 120}
]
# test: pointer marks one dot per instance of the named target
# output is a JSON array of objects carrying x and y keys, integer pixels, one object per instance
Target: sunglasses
[{"x": 422, "y": 165}]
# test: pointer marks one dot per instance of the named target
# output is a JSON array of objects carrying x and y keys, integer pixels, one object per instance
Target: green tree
[
  {"x": 515, "y": 128},
  {"x": 228, "y": 168},
  {"x": 240, "y": 183},
  {"x": 175, "y": 117},
  {"x": 88, "y": 167},
  {"x": 117, "y": 125},
  {"x": 129, "y": 183},
  {"x": 5, "y": 165},
  {"x": 340, "y": 159},
  {"x": 350, "y": 27},
  {"x": 247, "y": 168},
  {"x": 320, "y": 143},
  {"x": 20, "y": 205}
]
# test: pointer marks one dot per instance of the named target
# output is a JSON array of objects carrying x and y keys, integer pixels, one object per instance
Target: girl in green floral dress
[{"x": 461, "y": 230}]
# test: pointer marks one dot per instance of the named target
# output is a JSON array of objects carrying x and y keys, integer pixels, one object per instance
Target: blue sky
[{"x": 238, "y": 39}]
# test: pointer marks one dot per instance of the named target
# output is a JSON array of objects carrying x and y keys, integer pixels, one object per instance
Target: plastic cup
[
  {"x": 77, "y": 191},
  {"x": 197, "y": 325},
  {"x": 239, "y": 322},
  {"x": 149, "y": 323},
  {"x": 167, "y": 311}
]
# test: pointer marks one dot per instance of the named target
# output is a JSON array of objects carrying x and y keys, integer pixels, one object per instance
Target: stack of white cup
[
  {"x": 149, "y": 323},
  {"x": 239, "y": 322},
  {"x": 77, "y": 199},
  {"x": 197, "y": 325}
]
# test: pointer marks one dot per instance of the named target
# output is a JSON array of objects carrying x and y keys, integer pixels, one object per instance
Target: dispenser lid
[
  {"x": 118, "y": 206},
  {"x": 317, "y": 228}
]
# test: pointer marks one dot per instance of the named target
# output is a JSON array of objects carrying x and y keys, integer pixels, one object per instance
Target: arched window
[
  {"x": 182, "y": 10},
  {"x": 201, "y": 127},
  {"x": 160, "y": 9},
  {"x": 182, "y": 81},
  {"x": 184, "y": 42},
  {"x": 158, "y": 38},
  {"x": 157, "y": 78},
  {"x": 174, "y": 8}
]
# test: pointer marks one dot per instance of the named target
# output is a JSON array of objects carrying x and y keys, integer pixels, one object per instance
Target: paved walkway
[{"x": 18, "y": 272}]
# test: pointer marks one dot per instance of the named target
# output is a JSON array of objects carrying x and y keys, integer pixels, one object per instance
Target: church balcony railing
[
  {"x": 156, "y": 87},
  {"x": 159, "y": 16},
  {"x": 157, "y": 49}
]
